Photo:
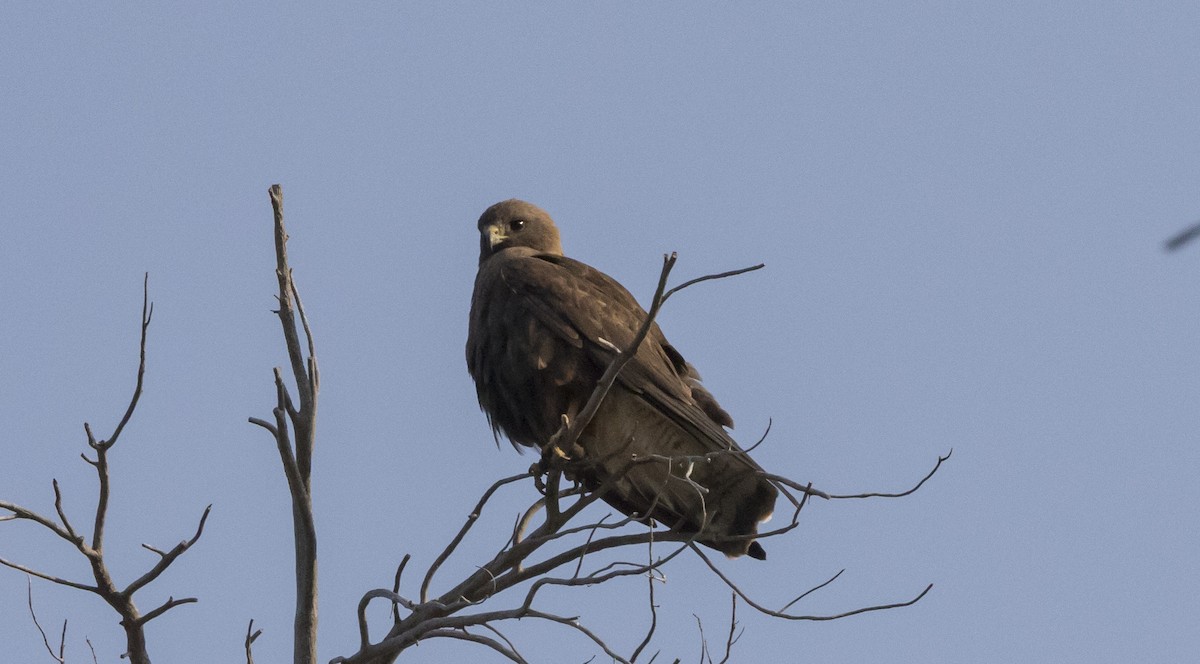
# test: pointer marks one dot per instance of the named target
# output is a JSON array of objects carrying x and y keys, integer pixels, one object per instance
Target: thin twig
[
  {"x": 505, "y": 639},
  {"x": 62, "y": 515},
  {"x": 168, "y": 558},
  {"x": 591, "y": 534},
  {"x": 164, "y": 607},
  {"x": 812, "y": 590},
  {"x": 102, "y": 447},
  {"x": 32, "y": 614},
  {"x": 460, "y": 622},
  {"x": 786, "y": 616},
  {"x": 653, "y": 609},
  {"x": 527, "y": 516},
  {"x": 266, "y": 425},
  {"x": 597, "y": 578},
  {"x": 147, "y": 315},
  {"x": 396, "y": 586},
  {"x": 707, "y": 277},
  {"x": 19, "y": 512},
  {"x": 152, "y": 549},
  {"x": 734, "y": 635},
  {"x": 48, "y": 577},
  {"x": 62, "y": 642},
  {"x": 251, "y": 637},
  {"x": 462, "y": 532},
  {"x": 902, "y": 493},
  {"x": 464, "y": 635},
  {"x": 761, "y": 438}
]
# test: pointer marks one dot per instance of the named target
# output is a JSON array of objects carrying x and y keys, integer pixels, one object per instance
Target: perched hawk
[{"x": 544, "y": 328}]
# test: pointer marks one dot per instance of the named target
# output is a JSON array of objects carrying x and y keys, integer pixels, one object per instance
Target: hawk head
[{"x": 515, "y": 223}]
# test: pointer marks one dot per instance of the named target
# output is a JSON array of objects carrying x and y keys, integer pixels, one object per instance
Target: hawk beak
[{"x": 495, "y": 236}]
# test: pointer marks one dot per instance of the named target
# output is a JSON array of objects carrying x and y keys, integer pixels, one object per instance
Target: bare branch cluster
[
  {"x": 465, "y": 611},
  {"x": 92, "y": 549}
]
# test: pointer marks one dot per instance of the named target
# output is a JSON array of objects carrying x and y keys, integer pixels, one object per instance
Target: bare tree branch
[
  {"x": 62, "y": 644},
  {"x": 787, "y": 616},
  {"x": 812, "y": 590},
  {"x": 396, "y": 586},
  {"x": 166, "y": 606},
  {"x": 167, "y": 558},
  {"x": 512, "y": 566},
  {"x": 48, "y": 577},
  {"x": 295, "y": 452},
  {"x": 103, "y": 446},
  {"x": 251, "y": 637},
  {"x": 462, "y": 532},
  {"x": 19, "y": 512},
  {"x": 902, "y": 494},
  {"x": 708, "y": 277},
  {"x": 650, "y": 578},
  {"x": 147, "y": 316},
  {"x": 62, "y": 515},
  {"x": 121, "y": 600},
  {"x": 704, "y": 656},
  {"x": 517, "y": 614},
  {"x": 734, "y": 635},
  {"x": 464, "y": 635},
  {"x": 506, "y": 641}
]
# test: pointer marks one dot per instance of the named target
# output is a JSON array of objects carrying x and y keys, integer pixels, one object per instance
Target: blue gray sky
[{"x": 960, "y": 205}]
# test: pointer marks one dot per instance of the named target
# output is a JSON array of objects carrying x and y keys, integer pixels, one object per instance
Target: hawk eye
[{"x": 517, "y": 224}]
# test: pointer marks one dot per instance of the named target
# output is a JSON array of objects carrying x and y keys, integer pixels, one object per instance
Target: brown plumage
[{"x": 542, "y": 331}]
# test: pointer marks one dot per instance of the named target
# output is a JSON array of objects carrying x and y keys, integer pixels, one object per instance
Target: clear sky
[{"x": 960, "y": 205}]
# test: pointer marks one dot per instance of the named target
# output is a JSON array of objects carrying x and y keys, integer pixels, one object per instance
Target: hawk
[{"x": 543, "y": 329}]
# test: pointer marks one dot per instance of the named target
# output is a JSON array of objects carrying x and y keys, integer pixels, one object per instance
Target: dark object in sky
[
  {"x": 1183, "y": 238},
  {"x": 544, "y": 328}
]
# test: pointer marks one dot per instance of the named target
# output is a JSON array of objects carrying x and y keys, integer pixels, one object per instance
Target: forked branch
[
  {"x": 102, "y": 583},
  {"x": 296, "y": 454},
  {"x": 788, "y": 616}
]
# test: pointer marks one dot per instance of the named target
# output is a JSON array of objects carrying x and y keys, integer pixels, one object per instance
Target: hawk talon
[{"x": 552, "y": 453}]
